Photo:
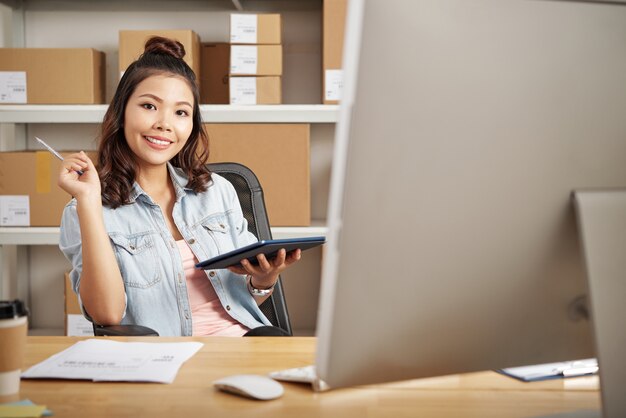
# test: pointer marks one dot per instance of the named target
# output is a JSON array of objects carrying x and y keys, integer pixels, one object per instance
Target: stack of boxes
[
  {"x": 256, "y": 59},
  {"x": 29, "y": 195},
  {"x": 247, "y": 70}
]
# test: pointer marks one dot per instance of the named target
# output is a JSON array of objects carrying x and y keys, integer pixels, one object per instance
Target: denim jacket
[{"x": 211, "y": 223}]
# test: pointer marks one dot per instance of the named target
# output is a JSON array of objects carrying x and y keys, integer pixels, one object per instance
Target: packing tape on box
[{"x": 43, "y": 172}]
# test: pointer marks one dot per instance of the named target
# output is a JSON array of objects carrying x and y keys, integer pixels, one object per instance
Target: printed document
[{"x": 110, "y": 361}]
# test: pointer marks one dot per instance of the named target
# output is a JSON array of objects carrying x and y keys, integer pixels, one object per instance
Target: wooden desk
[{"x": 480, "y": 395}]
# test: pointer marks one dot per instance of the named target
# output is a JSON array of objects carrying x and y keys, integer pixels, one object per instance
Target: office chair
[{"x": 252, "y": 203}]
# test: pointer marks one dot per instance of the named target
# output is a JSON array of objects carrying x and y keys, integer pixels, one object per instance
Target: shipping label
[
  {"x": 78, "y": 326},
  {"x": 243, "y": 29},
  {"x": 12, "y": 86},
  {"x": 14, "y": 210},
  {"x": 333, "y": 84},
  {"x": 243, "y": 59},
  {"x": 243, "y": 90}
]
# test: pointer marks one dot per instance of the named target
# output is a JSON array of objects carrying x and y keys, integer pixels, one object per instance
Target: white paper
[
  {"x": 14, "y": 210},
  {"x": 333, "y": 83},
  {"x": 79, "y": 326},
  {"x": 243, "y": 29},
  {"x": 114, "y": 361},
  {"x": 242, "y": 90},
  {"x": 12, "y": 86},
  {"x": 243, "y": 59}
]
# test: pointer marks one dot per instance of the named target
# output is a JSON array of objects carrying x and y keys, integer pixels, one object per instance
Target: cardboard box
[
  {"x": 214, "y": 69},
  {"x": 51, "y": 76},
  {"x": 279, "y": 156},
  {"x": 255, "y": 90},
  {"x": 256, "y": 60},
  {"x": 75, "y": 322},
  {"x": 133, "y": 42},
  {"x": 255, "y": 29},
  {"x": 29, "y": 193},
  {"x": 334, "y": 23}
]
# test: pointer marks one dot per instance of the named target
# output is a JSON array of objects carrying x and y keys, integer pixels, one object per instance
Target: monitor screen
[{"x": 464, "y": 128}]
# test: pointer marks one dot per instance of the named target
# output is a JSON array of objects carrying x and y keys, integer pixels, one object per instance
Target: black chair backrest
[{"x": 252, "y": 203}]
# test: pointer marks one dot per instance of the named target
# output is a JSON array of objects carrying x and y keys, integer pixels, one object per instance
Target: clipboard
[{"x": 267, "y": 247}]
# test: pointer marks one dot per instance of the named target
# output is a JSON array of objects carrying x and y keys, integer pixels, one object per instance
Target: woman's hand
[
  {"x": 265, "y": 274},
  {"x": 84, "y": 186}
]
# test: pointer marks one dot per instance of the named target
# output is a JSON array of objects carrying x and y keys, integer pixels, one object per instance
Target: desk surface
[{"x": 484, "y": 394}]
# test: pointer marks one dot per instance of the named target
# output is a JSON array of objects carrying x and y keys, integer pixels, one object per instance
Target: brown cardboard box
[
  {"x": 256, "y": 60},
  {"x": 132, "y": 43},
  {"x": 215, "y": 58},
  {"x": 265, "y": 29},
  {"x": 34, "y": 174},
  {"x": 55, "y": 75},
  {"x": 255, "y": 90},
  {"x": 279, "y": 156},
  {"x": 334, "y": 22}
]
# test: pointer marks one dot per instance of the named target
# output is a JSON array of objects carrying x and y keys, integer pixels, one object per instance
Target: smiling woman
[{"x": 136, "y": 225}]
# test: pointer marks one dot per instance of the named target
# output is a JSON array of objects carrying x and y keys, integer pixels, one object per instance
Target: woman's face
[{"x": 158, "y": 119}]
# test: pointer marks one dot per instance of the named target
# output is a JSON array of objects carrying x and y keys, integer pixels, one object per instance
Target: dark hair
[{"x": 116, "y": 164}]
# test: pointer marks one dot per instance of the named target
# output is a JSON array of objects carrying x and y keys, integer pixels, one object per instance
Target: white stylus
[{"x": 56, "y": 154}]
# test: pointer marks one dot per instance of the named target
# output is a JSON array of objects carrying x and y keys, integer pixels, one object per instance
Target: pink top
[{"x": 207, "y": 313}]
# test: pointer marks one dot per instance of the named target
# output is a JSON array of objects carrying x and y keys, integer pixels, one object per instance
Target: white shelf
[
  {"x": 50, "y": 235},
  {"x": 29, "y": 235},
  {"x": 317, "y": 228},
  {"x": 210, "y": 113}
]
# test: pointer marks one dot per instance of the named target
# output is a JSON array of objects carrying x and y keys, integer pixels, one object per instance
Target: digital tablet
[{"x": 267, "y": 247}]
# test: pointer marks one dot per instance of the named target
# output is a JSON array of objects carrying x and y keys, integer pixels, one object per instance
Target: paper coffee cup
[{"x": 13, "y": 331}]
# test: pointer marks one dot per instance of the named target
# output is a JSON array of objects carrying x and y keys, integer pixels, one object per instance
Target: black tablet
[{"x": 267, "y": 247}]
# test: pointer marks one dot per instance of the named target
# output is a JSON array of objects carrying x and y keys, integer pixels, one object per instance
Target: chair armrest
[{"x": 124, "y": 331}]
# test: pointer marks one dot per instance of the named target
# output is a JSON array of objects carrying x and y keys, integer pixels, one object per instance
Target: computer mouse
[{"x": 251, "y": 385}]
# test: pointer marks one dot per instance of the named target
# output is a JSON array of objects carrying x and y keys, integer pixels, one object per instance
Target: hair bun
[{"x": 164, "y": 46}]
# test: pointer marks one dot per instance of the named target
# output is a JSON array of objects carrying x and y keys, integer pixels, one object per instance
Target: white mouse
[{"x": 251, "y": 385}]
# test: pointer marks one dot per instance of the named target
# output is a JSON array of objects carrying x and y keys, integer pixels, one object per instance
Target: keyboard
[{"x": 306, "y": 374}]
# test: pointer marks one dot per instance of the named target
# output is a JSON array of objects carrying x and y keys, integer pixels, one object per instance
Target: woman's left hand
[{"x": 266, "y": 273}]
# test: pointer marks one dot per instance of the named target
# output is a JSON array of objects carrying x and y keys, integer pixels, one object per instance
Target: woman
[{"x": 141, "y": 220}]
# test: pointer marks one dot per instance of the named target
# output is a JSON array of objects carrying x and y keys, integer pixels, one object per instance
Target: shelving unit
[
  {"x": 27, "y": 254},
  {"x": 76, "y": 114}
]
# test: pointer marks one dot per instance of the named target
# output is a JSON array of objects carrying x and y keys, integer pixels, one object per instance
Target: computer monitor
[{"x": 464, "y": 129}]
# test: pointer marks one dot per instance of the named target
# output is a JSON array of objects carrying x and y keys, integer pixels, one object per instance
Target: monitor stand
[{"x": 602, "y": 227}]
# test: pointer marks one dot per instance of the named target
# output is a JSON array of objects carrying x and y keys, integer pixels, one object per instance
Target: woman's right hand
[{"x": 82, "y": 187}]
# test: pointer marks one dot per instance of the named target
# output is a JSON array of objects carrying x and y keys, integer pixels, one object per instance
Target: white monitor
[{"x": 464, "y": 129}]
